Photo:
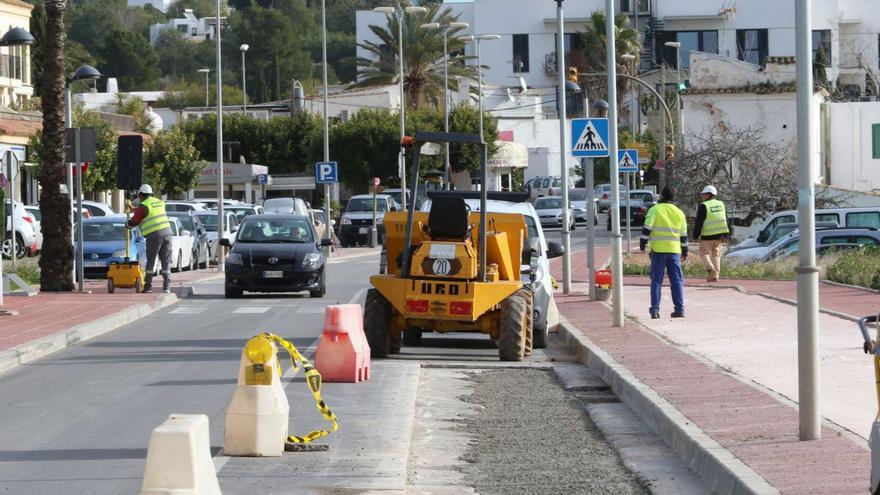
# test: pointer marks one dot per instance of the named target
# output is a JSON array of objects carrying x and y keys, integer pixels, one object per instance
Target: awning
[{"x": 509, "y": 155}]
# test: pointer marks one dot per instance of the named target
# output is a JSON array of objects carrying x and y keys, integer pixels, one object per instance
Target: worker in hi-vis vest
[
  {"x": 156, "y": 227},
  {"x": 711, "y": 230},
  {"x": 665, "y": 231}
]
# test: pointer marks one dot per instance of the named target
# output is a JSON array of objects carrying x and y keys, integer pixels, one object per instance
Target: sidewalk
[
  {"x": 48, "y": 322},
  {"x": 730, "y": 367}
]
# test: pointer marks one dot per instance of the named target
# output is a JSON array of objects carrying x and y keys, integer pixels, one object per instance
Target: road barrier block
[
  {"x": 179, "y": 458},
  {"x": 257, "y": 417},
  {"x": 343, "y": 354}
]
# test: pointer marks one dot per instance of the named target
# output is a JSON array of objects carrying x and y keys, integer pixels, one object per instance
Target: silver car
[{"x": 549, "y": 210}]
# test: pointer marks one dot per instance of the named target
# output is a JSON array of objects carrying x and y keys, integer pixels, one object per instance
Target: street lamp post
[
  {"x": 207, "y": 73},
  {"x": 478, "y": 39},
  {"x": 446, "y": 28},
  {"x": 221, "y": 261},
  {"x": 244, "y": 48},
  {"x": 328, "y": 232},
  {"x": 616, "y": 254},
  {"x": 563, "y": 149},
  {"x": 679, "y": 141},
  {"x": 84, "y": 73},
  {"x": 399, "y": 12},
  {"x": 629, "y": 177}
]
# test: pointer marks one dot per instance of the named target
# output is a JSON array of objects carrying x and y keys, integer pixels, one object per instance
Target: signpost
[
  {"x": 589, "y": 138},
  {"x": 627, "y": 163},
  {"x": 327, "y": 173}
]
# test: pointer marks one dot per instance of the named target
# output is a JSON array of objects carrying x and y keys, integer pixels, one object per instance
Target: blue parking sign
[{"x": 326, "y": 173}]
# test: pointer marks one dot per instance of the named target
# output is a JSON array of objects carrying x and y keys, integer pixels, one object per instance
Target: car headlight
[
  {"x": 345, "y": 221},
  {"x": 119, "y": 254},
  {"x": 234, "y": 259},
  {"x": 312, "y": 261}
]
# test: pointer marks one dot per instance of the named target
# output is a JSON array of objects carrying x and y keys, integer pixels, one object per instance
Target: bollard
[
  {"x": 257, "y": 417},
  {"x": 343, "y": 354},
  {"x": 179, "y": 458}
]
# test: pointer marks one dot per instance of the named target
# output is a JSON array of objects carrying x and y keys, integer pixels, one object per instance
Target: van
[
  {"x": 286, "y": 206},
  {"x": 844, "y": 217},
  {"x": 545, "y": 186}
]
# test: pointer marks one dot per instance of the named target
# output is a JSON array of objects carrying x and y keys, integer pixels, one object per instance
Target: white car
[
  {"x": 181, "y": 249},
  {"x": 536, "y": 271},
  {"x": 26, "y": 235},
  {"x": 97, "y": 209},
  {"x": 549, "y": 210},
  {"x": 286, "y": 206},
  {"x": 184, "y": 206},
  {"x": 357, "y": 218},
  {"x": 38, "y": 226},
  {"x": 578, "y": 199},
  {"x": 209, "y": 220}
]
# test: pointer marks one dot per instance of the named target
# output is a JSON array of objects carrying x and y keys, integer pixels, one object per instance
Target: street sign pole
[
  {"x": 616, "y": 255},
  {"x": 587, "y": 165},
  {"x": 563, "y": 156},
  {"x": 11, "y": 179},
  {"x": 807, "y": 271},
  {"x": 628, "y": 211},
  {"x": 80, "y": 272},
  {"x": 373, "y": 232}
]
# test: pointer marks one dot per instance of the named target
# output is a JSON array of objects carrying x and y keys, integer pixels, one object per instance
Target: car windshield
[
  {"x": 644, "y": 196},
  {"x": 780, "y": 232},
  {"x": 240, "y": 213},
  {"x": 319, "y": 216},
  {"x": 210, "y": 222},
  {"x": 36, "y": 213},
  {"x": 275, "y": 230},
  {"x": 104, "y": 231},
  {"x": 548, "y": 203},
  {"x": 366, "y": 204},
  {"x": 531, "y": 226},
  {"x": 187, "y": 222}
]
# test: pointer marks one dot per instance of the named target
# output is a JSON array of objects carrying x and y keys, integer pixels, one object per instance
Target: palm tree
[
  {"x": 422, "y": 57},
  {"x": 56, "y": 262},
  {"x": 592, "y": 53}
]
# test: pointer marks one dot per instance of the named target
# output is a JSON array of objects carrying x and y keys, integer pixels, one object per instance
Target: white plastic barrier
[
  {"x": 179, "y": 458},
  {"x": 257, "y": 416}
]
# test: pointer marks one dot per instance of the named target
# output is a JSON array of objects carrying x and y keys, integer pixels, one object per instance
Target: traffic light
[
  {"x": 684, "y": 85},
  {"x": 670, "y": 152},
  {"x": 573, "y": 74}
]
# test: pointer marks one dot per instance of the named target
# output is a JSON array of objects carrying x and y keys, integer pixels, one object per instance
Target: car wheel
[
  {"x": 193, "y": 260},
  {"x": 231, "y": 292},
  {"x": 110, "y": 287},
  {"x": 320, "y": 292},
  {"x": 20, "y": 248}
]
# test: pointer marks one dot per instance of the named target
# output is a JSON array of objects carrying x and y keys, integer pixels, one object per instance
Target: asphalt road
[{"x": 79, "y": 421}]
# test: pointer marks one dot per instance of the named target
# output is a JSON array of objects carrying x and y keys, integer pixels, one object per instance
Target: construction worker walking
[
  {"x": 665, "y": 231},
  {"x": 711, "y": 230},
  {"x": 156, "y": 227}
]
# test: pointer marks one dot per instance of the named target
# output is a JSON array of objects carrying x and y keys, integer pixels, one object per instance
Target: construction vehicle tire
[
  {"x": 530, "y": 328},
  {"x": 514, "y": 326},
  {"x": 394, "y": 343},
  {"x": 377, "y": 323}
]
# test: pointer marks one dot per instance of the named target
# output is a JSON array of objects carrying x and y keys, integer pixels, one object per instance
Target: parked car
[
  {"x": 25, "y": 234},
  {"x": 546, "y": 186},
  {"x": 603, "y": 193},
  {"x": 845, "y": 217},
  {"x": 398, "y": 198},
  {"x": 104, "y": 243},
  {"x": 181, "y": 247},
  {"x": 244, "y": 210},
  {"x": 38, "y": 226},
  {"x": 549, "y": 210},
  {"x": 784, "y": 229},
  {"x": 97, "y": 209},
  {"x": 357, "y": 218},
  {"x": 285, "y": 206},
  {"x": 209, "y": 220},
  {"x": 578, "y": 199},
  {"x": 638, "y": 211},
  {"x": 535, "y": 263},
  {"x": 211, "y": 204},
  {"x": 185, "y": 206},
  {"x": 275, "y": 253},
  {"x": 862, "y": 236},
  {"x": 200, "y": 253}
]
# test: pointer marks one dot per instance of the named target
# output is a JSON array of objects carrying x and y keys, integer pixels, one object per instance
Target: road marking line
[
  {"x": 188, "y": 310},
  {"x": 251, "y": 309},
  {"x": 312, "y": 310},
  {"x": 357, "y": 295}
]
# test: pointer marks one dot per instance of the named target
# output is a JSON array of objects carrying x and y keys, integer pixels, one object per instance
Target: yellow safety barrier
[{"x": 313, "y": 379}]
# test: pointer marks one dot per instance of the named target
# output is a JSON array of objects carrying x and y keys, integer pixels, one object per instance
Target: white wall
[{"x": 851, "y": 152}]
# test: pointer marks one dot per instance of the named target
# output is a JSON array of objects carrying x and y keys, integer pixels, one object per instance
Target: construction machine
[{"x": 451, "y": 270}]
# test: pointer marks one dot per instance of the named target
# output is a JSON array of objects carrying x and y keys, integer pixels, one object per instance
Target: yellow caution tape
[{"x": 313, "y": 380}]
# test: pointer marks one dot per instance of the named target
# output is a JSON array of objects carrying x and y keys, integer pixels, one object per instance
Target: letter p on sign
[{"x": 326, "y": 173}]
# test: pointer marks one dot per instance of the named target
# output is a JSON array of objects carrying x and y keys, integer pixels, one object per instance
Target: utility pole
[
  {"x": 328, "y": 232},
  {"x": 807, "y": 271},
  {"x": 221, "y": 260},
  {"x": 616, "y": 254},
  {"x": 661, "y": 179},
  {"x": 563, "y": 149}
]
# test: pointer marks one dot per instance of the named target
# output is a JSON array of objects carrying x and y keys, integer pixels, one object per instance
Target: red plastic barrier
[{"x": 343, "y": 354}]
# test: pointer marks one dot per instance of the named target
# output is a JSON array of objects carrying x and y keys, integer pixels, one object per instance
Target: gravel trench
[{"x": 531, "y": 437}]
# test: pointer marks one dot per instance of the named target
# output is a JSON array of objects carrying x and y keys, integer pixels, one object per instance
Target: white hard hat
[
  {"x": 710, "y": 190},
  {"x": 145, "y": 189}
]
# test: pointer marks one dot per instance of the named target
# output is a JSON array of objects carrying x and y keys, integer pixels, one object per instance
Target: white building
[
  {"x": 189, "y": 26},
  {"x": 853, "y": 136}
]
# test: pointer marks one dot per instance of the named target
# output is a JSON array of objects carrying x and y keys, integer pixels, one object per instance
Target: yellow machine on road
[
  {"x": 126, "y": 274},
  {"x": 442, "y": 279}
]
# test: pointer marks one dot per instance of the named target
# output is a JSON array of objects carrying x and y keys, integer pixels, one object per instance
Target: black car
[
  {"x": 191, "y": 223},
  {"x": 638, "y": 210},
  {"x": 275, "y": 253}
]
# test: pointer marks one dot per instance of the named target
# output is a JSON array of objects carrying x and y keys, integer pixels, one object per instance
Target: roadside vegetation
[
  {"x": 28, "y": 269},
  {"x": 860, "y": 267}
]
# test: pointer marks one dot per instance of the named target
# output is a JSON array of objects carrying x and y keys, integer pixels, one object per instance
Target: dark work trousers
[
  {"x": 670, "y": 263},
  {"x": 159, "y": 243}
]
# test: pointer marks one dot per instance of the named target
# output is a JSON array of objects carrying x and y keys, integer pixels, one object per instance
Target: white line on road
[
  {"x": 312, "y": 310},
  {"x": 251, "y": 309},
  {"x": 188, "y": 310}
]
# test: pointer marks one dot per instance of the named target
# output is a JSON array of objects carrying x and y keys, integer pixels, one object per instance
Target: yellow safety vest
[
  {"x": 155, "y": 219},
  {"x": 716, "y": 218},
  {"x": 668, "y": 225}
]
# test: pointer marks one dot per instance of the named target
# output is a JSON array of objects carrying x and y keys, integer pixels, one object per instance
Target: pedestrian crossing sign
[
  {"x": 589, "y": 138},
  {"x": 627, "y": 160}
]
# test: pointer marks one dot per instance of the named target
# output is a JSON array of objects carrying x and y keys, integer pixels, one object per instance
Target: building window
[
  {"x": 875, "y": 140},
  {"x": 520, "y": 53},
  {"x": 751, "y": 45},
  {"x": 822, "y": 44},
  {"x": 182, "y": 28},
  {"x": 628, "y": 6},
  {"x": 701, "y": 41},
  {"x": 572, "y": 42}
]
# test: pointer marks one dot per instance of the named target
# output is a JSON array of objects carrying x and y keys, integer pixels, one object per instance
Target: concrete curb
[
  {"x": 722, "y": 472},
  {"x": 25, "y": 353}
]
